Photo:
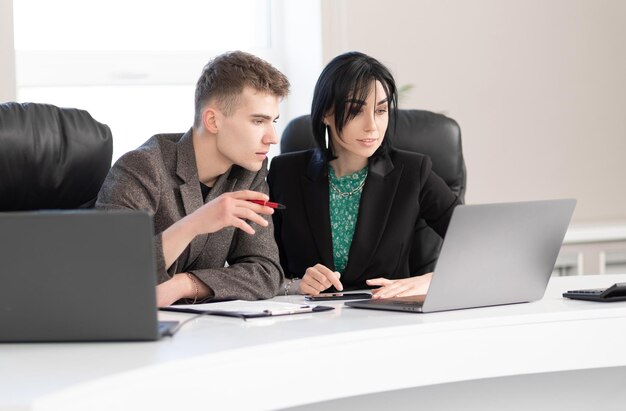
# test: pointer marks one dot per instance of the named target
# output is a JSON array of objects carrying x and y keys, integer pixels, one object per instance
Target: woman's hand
[
  {"x": 401, "y": 288},
  {"x": 318, "y": 278}
]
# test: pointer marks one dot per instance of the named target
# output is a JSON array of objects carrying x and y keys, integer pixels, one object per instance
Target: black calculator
[{"x": 616, "y": 292}]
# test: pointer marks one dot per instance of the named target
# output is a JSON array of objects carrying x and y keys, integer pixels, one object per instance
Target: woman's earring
[{"x": 327, "y": 146}]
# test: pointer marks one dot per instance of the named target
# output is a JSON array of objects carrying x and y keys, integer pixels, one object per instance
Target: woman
[{"x": 353, "y": 203}]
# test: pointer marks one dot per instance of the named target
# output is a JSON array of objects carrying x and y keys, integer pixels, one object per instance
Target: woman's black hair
[{"x": 344, "y": 82}]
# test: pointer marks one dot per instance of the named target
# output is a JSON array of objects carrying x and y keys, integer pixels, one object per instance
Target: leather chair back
[
  {"x": 419, "y": 131},
  {"x": 51, "y": 157}
]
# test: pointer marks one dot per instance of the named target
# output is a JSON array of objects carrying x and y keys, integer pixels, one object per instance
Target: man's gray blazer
[{"x": 161, "y": 177}]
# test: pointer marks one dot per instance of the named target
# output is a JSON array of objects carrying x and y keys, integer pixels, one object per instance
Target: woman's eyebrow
[
  {"x": 363, "y": 103},
  {"x": 355, "y": 101}
]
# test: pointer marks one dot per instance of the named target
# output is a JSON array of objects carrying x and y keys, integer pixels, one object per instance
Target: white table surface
[{"x": 272, "y": 363}]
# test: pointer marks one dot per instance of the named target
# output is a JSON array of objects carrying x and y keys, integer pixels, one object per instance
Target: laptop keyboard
[
  {"x": 413, "y": 303},
  {"x": 383, "y": 301}
]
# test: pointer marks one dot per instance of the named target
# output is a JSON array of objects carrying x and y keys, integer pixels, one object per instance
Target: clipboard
[{"x": 247, "y": 309}]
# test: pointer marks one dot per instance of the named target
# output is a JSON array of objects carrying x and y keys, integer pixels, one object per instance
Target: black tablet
[{"x": 338, "y": 296}]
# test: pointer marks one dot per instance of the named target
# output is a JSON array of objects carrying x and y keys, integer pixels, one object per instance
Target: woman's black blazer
[{"x": 400, "y": 188}]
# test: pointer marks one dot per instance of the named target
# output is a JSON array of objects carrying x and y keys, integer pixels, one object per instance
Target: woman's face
[{"x": 362, "y": 135}]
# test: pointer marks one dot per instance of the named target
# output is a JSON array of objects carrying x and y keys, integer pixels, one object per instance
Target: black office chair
[
  {"x": 51, "y": 157},
  {"x": 419, "y": 131}
]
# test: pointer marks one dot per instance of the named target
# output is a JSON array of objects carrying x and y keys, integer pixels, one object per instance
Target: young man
[{"x": 198, "y": 185}]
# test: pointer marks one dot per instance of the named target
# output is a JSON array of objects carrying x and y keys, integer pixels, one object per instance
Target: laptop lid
[
  {"x": 77, "y": 276},
  {"x": 492, "y": 254}
]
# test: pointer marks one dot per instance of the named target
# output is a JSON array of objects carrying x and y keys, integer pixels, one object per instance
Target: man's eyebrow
[
  {"x": 266, "y": 117},
  {"x": 263, "y": 116}
]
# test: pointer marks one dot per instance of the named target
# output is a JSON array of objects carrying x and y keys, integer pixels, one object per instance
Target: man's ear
[{"x": 209, "y": 120}]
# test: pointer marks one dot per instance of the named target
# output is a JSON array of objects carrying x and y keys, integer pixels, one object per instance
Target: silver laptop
[
  {"x": 492, "y": 254},
  {"x": 78, "y": 276}
]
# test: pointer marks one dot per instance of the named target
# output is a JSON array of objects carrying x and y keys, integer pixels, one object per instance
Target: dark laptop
[
  {"x": 493, "y": 254},
  {"x": 78, "y": 276}
]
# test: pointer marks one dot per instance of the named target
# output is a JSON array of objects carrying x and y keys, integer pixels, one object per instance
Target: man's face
[{"x": 244, "y": 137}]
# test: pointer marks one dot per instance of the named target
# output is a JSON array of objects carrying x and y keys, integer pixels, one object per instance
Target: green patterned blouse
[{"x": 344, "y": 211}]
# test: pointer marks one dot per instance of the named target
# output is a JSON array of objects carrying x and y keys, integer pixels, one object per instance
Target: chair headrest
[
  {"x": 51, "y": 157},
  {"x": 437, "y": 136}
]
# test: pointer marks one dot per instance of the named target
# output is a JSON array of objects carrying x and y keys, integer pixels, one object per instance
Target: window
[{"x": 132, "y": 64}]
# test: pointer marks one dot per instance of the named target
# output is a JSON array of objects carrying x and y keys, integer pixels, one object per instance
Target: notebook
[
  {"x": 492, "y": 254},
  {"x": 78, "y": 276}
]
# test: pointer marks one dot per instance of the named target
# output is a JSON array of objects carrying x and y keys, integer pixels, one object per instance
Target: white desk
[{"x": 508, "y": 357}]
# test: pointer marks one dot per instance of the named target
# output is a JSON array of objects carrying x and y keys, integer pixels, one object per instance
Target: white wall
[
  {"x": 537, "y": 86},
  {"x": 7, "y": 55}
]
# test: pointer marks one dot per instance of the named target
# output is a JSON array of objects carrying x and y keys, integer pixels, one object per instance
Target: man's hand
[
  {"x": 401, "y": 288},
  {"x": 227, "y": 210},
  {"x": 180, "y": 286},
  {"x": 318, "y": 278},
  {"x": 231, "y": 210}
]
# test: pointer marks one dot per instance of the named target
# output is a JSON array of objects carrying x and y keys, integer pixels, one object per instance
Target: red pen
[{"x": 269, "y": 204}]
